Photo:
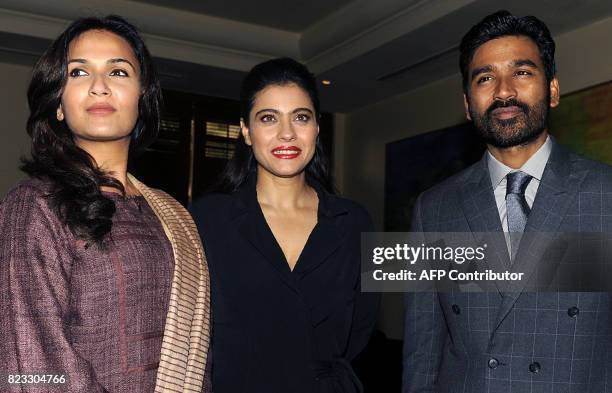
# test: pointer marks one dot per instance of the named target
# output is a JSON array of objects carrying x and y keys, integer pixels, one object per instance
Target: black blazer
[{"x": 275, "y": 330}]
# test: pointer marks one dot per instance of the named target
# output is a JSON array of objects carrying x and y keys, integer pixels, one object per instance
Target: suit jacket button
[
  {"x": 573, "y": 312},
  {"x": 493, "y": 363},
  {"x": 534, "y": 367},
  {"x": 456, "y": 309}
]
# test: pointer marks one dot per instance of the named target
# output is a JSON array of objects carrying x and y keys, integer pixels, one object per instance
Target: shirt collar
[{"x": 534, "y": 166}]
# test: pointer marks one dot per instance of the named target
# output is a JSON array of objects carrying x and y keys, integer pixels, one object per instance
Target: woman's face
[
  {"x": 100, "y": 99},
  {"x": 282, "y": 130}
]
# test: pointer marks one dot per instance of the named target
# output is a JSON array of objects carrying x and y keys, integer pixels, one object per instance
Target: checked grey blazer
[{"x": 510, "y": 340}]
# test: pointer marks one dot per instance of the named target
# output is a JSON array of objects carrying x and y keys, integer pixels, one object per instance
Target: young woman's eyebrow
[{"x": 110, "y": 61}]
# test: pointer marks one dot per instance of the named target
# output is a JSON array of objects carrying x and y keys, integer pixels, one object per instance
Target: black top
[{"x": 277, "y": 330}]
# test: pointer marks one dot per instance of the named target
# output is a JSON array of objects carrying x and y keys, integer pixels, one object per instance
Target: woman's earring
[{"x": 59, "y": 115}]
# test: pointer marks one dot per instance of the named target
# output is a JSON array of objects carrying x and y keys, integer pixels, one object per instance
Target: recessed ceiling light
[{"x": 326, "y": 82}]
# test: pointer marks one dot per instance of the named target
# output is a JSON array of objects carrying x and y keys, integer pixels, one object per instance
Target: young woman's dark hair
[
  {"x": 282, "y": 71},
  {"x": 502, "y": 24},
  {"x": 76, "y": 179}
]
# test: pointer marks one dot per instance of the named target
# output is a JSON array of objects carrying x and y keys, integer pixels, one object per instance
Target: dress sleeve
[
  {"x": 366, "y": 303},
  {"x": 35, "y": 264}
]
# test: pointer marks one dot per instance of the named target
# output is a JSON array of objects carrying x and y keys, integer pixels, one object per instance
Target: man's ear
[
  {"x": 245, "y": 132},
  {"x": 466, "y": 105},
  {"x": 554, "y": 92}
]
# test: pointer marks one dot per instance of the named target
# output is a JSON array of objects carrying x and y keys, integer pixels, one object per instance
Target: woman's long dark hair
[
  {"x": 242, "y": 165},
  {"x": 74, "y": 176}
]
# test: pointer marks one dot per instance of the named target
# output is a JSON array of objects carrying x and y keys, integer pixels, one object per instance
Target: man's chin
[{"x": 503, "y": 139}]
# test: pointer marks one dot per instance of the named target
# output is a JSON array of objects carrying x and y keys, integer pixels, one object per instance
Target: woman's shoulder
[
  {"x": 349, "y": 204},
  {"x": 356, "y": 212},
  {"x": 212, "y": 213},
  {"x": 27, "y": 191},
  {"x": 160, "y": 196},
  {"x": 25, "y": 212},
  {"x": 212, "y": 202}
]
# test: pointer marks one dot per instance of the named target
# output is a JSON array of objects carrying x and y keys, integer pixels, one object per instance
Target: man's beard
[{"x": 515, "y": 131}]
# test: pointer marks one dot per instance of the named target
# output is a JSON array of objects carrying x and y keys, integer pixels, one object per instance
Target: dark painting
[
  {"x": 417, "y": 163},
  {"x": 583, "y": 122}
]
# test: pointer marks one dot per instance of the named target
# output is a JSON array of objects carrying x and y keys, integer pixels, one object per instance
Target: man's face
[{"x": 508, "y": 97}]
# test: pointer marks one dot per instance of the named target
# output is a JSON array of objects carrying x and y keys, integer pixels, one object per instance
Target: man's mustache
[{"x": 508, "y": 103}]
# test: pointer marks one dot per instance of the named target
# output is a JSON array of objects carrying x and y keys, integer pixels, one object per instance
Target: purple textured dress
[{"x": 67, "y": 308}]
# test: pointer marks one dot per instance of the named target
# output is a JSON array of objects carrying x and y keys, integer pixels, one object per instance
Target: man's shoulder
[
  {"x": 454, "y": 184},
  {"x": 584, "y": 163},
  {"x": 597, "y": 174}
]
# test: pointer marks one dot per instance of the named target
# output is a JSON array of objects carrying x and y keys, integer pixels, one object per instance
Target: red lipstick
[
  {"x": 286, "y": 152},
  {"x": 100, "y": 109}
]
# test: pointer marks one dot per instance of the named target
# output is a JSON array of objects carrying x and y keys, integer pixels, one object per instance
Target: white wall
[
  {"x": 14, "y": 81},
  {"x": 584, "y": 59}
]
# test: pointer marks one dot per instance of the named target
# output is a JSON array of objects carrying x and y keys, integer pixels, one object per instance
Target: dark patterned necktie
[{"x": 516, "y": 207}]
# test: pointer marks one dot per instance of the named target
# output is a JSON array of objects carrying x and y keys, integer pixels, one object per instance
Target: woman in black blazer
[{"x": 283, "y": 250}]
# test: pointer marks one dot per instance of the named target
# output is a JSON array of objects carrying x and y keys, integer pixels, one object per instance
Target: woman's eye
[
  {"x": 77, "y": 72},
  {"x": 267, "y": 118},
  {"x": 119, "y": 72},
  {"x": 302, "y": 117}
]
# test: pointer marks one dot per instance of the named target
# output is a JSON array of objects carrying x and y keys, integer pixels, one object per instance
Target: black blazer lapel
[
  {"x": 252, "y": 226},
  {"x": 327, "y": 235},
  {"x": 559, "y": 188}
]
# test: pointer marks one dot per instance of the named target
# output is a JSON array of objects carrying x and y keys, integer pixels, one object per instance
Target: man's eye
[
  {"x": 523, "y": 72},
  {"x": 484, "y": 79},
  {"x": 77, "y": 72},
  {"x": 119, "y": 72}
]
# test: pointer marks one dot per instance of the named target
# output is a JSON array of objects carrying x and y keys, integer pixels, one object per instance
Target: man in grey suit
[{"x": 512, "y": 340}]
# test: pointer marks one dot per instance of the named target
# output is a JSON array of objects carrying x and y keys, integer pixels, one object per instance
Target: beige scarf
[{"x": 187, "y": 331}]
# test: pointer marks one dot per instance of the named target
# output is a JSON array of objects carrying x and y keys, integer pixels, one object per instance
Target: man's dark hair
[{"x": 503, "y": 24}]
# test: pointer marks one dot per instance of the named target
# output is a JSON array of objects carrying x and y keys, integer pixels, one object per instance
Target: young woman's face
[
  {"x": 100, "y": 99},
  {"x": 282, "y": 130}
]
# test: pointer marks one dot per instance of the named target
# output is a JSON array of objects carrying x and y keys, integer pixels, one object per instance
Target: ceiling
[
  {"x": 295, "y": 15},
  {"x": 369, "y": 49}
]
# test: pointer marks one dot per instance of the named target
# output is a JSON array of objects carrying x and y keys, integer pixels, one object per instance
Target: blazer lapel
[
  {"x": 326, "y": 236},
  {"x": 480, "y": 210},
  {"x": 252, "y": 226},
  {"x": 559, "y": 187}
]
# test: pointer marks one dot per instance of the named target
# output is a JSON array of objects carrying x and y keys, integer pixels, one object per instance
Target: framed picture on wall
[
  {"x": 583, "y": 122},
  {"x": 417, "y": 163}
]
